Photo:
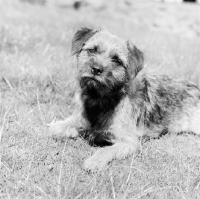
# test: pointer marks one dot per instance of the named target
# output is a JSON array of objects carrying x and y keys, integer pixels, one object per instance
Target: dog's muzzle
[
  {"x": 88, "y": 82},
  {"x": 96, "y": 70}
]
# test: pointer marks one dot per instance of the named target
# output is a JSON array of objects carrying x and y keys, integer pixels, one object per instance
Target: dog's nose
[{"x": 96, "y": 70}]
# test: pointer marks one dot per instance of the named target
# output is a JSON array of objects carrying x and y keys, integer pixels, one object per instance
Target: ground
[{"x": 37, "y": 85}]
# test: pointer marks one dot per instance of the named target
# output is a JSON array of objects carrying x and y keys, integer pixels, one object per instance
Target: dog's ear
[
  {"x": 135, "y": 59},
  {"x": 80, "y": 37}
]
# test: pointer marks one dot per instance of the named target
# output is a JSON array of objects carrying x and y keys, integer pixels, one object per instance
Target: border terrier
[{"x": 116, "y": 105}]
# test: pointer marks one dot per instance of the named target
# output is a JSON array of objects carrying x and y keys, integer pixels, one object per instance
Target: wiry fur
[{"x": 116, "y": 105}]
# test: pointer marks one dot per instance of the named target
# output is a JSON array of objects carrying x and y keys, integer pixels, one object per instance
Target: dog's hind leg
[
  {"x": 195, "y": 120},
  {"x": 188, "y": 121}
]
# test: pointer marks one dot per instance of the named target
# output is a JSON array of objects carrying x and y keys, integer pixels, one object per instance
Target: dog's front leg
[
  {"x": 70, "y": 126},
  {"x": 119, "y": 150},
  {"x": 67, "y": 127}
]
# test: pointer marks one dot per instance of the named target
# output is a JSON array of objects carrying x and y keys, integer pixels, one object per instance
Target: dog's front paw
[
  {"x": 97, "y": 162},
  {"x": 62, "y": 129},
  {"x": 94, "y": 164}
]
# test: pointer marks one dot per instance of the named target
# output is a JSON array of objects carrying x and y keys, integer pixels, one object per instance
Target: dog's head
[{"x": 106, "y": 63}]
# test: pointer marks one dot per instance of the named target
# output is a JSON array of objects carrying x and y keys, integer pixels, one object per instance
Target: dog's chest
[{"x": 98, "y": 112}]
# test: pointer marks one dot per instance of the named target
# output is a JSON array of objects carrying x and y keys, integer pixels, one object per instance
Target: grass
[{"x": 37, "y": 84}]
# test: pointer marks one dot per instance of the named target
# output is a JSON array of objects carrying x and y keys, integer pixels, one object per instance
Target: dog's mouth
[
  {"x": 96, "y": 87},
  {"x": 93, "y": 86},
  {"x": 89, "y": 82}
]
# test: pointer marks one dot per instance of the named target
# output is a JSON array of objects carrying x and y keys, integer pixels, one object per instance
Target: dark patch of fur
[
  {"x": 154, "y": 116},
  {"x": 151, "y": 113},
  {"x": 99, "y": 110},
  {"x": 99, "y": 102},
  {"x": 144, "y": 91},
  {"x": 97, "y": 138},
  {"x": 81, "y": 36}
]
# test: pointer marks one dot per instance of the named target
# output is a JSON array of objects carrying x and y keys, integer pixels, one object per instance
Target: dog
[{"x": 117, "y": 105}]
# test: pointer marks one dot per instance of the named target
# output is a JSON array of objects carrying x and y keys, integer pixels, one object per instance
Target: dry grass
[{"x": 37, "y": 84}]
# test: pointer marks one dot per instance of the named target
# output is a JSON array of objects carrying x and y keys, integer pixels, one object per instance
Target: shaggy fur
[{"x": 116, "y": 105}]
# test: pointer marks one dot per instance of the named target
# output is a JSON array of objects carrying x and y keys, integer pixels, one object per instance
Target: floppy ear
[
  {"x": 135, "y": 60},
  {"x": 80, "y": 37}
]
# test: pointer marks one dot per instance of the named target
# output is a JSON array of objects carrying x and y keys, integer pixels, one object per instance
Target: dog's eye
[
  {"x": 116, "y": 60},
  {"x": 92, "y": 50}
]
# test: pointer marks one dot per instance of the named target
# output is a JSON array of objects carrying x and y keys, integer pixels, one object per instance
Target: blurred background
[{"x": 168, "y": 31}]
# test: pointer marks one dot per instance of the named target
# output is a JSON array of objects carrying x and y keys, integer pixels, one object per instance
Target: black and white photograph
[{"x": 99, "y": 99}]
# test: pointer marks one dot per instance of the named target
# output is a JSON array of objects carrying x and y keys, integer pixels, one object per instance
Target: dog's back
[{"x": 165, "y": 105}]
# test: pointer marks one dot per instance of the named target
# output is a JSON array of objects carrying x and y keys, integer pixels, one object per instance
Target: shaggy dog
[{"x": 116, "y": 105}]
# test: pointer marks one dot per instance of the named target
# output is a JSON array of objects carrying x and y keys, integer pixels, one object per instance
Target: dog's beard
[
  {"x": 93, "y": 86},
  {"x": 100, "y": 87},
  {"x": 89, "y": 82}
]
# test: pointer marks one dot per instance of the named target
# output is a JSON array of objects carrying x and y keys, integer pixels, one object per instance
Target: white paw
[
  {"x": 62, "y": 129},
  {"x": 95, "y": 163}
]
